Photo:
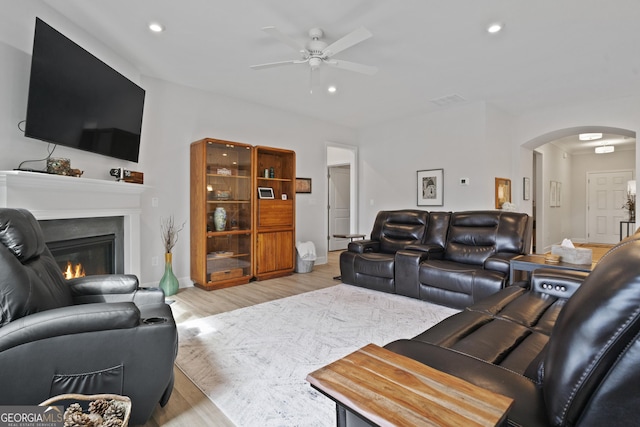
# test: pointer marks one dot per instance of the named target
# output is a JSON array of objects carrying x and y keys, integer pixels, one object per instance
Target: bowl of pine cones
[{"x": 98, "y": 410}]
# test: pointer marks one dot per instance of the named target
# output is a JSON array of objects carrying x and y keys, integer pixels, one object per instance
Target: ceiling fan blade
[
  {"x": 353, "y": 66},
  {"x": 274, "y": 32},
  {"x": 276, "y": 64},
  {"x": 353, "y": 38}
]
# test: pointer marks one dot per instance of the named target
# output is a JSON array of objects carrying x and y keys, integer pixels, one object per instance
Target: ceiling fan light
[
  {"x": 315, "y": 63},
  {"x": 592, "y": 136},
  {"x": 604, "y": 149}
]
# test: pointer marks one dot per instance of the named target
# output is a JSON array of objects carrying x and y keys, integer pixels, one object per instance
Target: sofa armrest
[
  {"x": 113, "y": 288},
  {"x": 407, "y": 268},
  {"x": 500, "y": 262},
  {"x": 362, "y": 246},
  {"x": 105, "y": 284},
  {"x": 557, "y": 282},
  {"x": 430, "y": 251},
  {"x": 71, "y": 320}
]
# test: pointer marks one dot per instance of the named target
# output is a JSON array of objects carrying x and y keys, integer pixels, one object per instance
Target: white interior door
[
  {"x": 606, "y": 194},
  {"x": 339, "y": 205}
]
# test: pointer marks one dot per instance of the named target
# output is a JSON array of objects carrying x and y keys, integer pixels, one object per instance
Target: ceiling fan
[{"x": 316, "y": 52}]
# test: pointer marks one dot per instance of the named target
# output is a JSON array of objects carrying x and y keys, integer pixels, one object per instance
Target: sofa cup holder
[{"x": 154, "y": 320}]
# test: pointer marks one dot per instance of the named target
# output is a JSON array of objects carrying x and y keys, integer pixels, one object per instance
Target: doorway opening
[
  {"x": 341, "y": 194},
  {"x": 561, "y": 203}
]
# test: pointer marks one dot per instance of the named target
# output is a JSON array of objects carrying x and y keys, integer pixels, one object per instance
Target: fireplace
[
  {"x": 48, "y": 197},
  {"x": 86, "y": 256},
  {"x": 86, "y": 246}
]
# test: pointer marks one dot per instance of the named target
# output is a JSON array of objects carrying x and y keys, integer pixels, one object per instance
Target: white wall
[
  {"x": 469, "y": 141},
  {"x": 558, "y": 220},
  {"x": 174, "y": 117}
]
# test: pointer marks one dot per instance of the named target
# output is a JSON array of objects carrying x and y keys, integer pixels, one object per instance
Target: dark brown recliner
[
  {"x": 567, "y": 350},
  {"x": 371, "y": 263},
  {"x": 475, "y": 261},
  {"x": 91, "y": 335}
]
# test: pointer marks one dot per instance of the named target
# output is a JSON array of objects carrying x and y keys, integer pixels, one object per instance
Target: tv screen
[{"x": 78, "y": 101}]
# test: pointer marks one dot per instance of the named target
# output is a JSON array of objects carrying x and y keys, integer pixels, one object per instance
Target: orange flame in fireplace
[{"x": 73, "y": 271}]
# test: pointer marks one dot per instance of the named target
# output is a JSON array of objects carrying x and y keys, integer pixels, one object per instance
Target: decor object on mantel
[
  {"x": 630, "y": 204},
  {"x": 169, "y": 231},
  {"x": 61, "y": 166}
]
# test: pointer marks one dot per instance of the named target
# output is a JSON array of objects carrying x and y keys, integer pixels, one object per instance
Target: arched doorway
[{"x": 560, "y": 186}]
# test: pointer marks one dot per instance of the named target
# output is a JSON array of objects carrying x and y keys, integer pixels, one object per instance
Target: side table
[
  {"x": 387, "y": 389},
  {"x": 529, "y": 263},
  {"x": 628, "y": 224},
  {"x": 351, "y": 238}
]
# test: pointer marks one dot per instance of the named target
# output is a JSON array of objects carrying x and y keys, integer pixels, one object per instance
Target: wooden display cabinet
[
  {"x": 221, "y": 183},
  {"x": 274, "y": 219}
]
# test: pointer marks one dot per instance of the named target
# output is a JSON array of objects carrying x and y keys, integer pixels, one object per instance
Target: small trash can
[{"x": 305, "y": 257}]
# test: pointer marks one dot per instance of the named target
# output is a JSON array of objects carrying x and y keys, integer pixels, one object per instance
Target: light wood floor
[{"x": 188, "y": 406}]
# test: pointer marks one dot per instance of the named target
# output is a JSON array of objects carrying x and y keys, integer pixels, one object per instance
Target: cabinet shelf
[
  {"x": 228, "y": 176},
  {"x": 227, "y": 233},
  {"x": 215, "y": 202},
  {"x": 221, "y": 257},
  {"x": 274, "y": 179}
]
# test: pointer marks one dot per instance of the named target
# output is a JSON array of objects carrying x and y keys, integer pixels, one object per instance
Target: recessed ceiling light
[
  {"x": 603, "y": 149},
  {"x": 332, "y": 89},
  {"x": 589, "y": 136},
  {"x": 156, "y": 28},
  {"x": 496, "y": 27}
]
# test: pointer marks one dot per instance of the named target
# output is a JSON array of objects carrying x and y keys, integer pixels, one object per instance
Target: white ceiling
[{"x": 551, "y": 52}]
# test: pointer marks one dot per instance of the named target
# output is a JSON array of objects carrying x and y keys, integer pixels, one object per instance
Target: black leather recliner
[
  {"x": 371, "y": 263},
  {"x": 567, "y": 350},
  {"x": 475, "y": 263},
  {"x": 91, "y": 335}
]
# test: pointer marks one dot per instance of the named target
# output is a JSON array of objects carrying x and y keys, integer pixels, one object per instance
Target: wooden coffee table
[{"x": 388, "y": 389}]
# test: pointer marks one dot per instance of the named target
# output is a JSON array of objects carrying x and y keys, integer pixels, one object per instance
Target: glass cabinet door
[{"x": 228, "y": 211}]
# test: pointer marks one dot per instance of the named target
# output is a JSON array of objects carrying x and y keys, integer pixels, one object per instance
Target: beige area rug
[{"x": 252, "y": 362}]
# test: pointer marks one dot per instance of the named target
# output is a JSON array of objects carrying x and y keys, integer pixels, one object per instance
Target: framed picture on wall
[
  {"x": 430, "y": 187},
  {"x": 526, "y": 188},
  {"x": 303, "y": 185},
  {"x": 553, "y": 194},
  {"x": 503, "y": 191}
]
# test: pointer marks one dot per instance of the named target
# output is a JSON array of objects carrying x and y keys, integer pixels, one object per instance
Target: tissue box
[{"x": 573, "y": 255}]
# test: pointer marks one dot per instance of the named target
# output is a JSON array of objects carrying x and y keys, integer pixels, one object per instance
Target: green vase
[{"x": 169, "y": 282}]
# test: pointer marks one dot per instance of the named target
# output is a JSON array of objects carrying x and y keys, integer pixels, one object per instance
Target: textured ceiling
[{"x": 550, "y": 53}]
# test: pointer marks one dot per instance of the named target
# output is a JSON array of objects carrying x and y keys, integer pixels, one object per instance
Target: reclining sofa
[
  {"x": 90, "y": 335},
  {"x": 567, "y": 350},
  {"x": 453, "y": 259}
]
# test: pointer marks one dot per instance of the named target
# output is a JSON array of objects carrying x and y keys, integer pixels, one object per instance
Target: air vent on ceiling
[{"x": 449, "y": 100}]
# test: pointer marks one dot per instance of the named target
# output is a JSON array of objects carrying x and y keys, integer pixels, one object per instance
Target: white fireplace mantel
[{"x": 63, "y": 197}]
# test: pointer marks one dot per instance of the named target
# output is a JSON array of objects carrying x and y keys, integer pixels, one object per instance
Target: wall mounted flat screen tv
[{"x": 78, "y": 101}]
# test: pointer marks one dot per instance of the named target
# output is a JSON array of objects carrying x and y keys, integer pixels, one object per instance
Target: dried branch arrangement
[{"x": 169, "y": 232}]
